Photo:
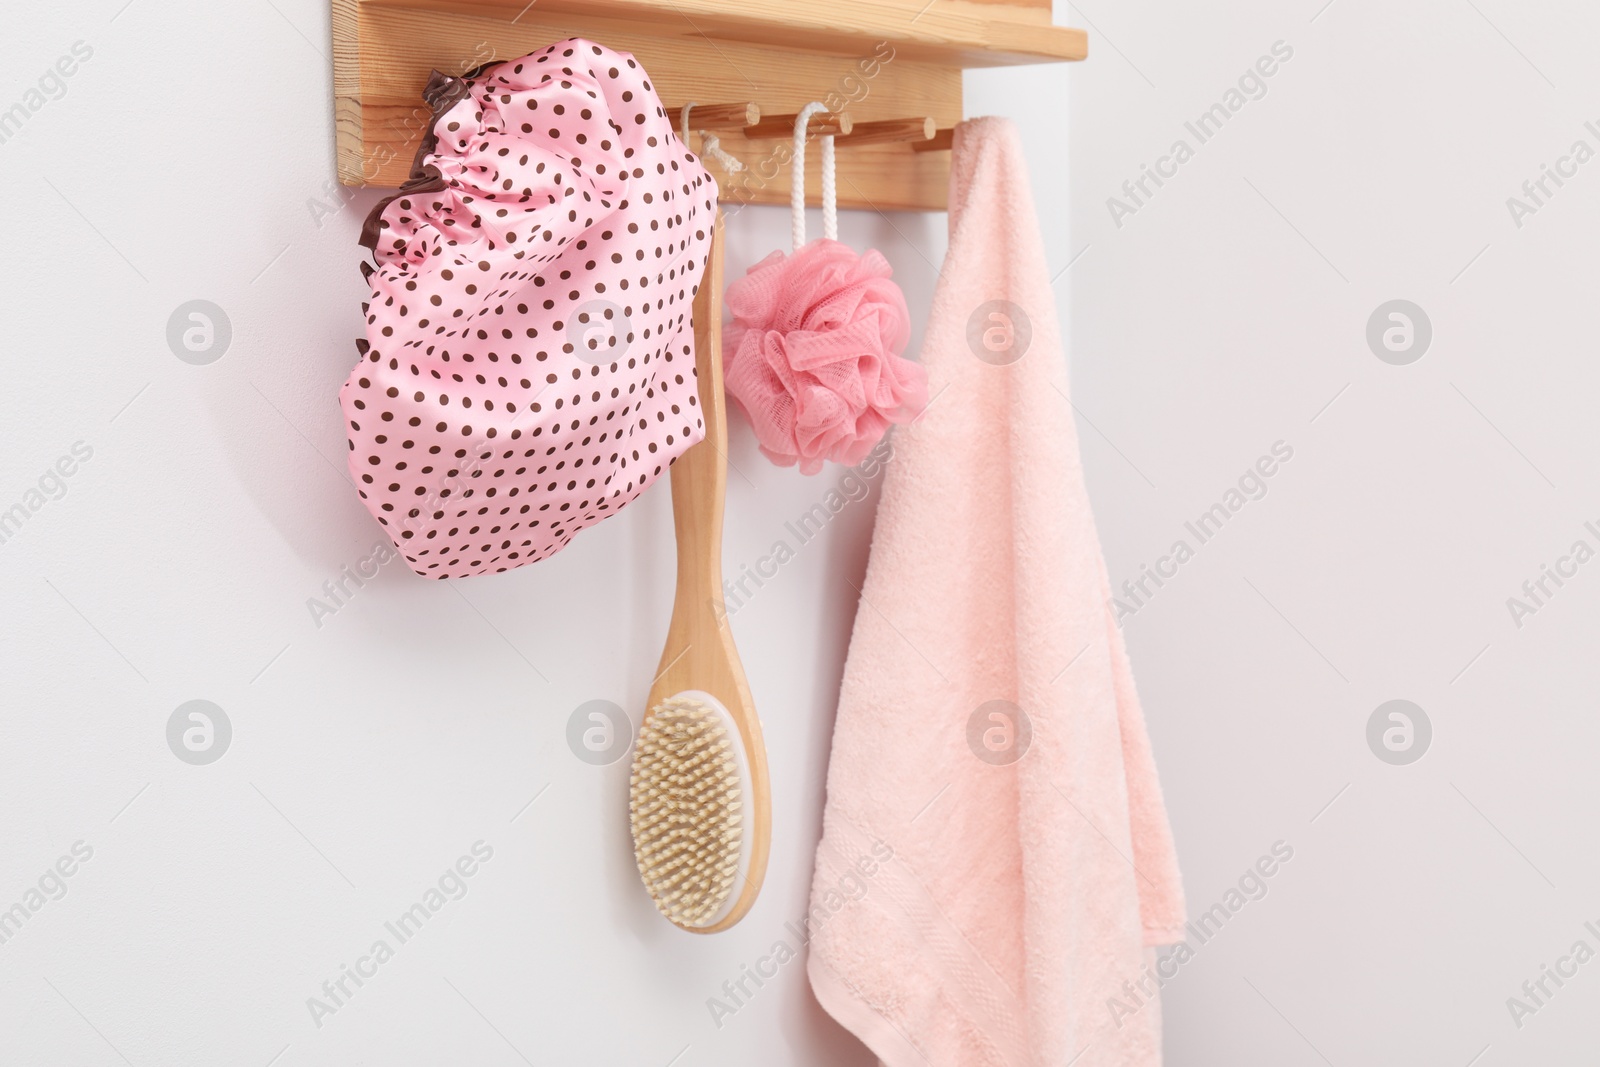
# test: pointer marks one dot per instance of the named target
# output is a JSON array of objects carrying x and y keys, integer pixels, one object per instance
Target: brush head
[{"x": 687, "y": 808}]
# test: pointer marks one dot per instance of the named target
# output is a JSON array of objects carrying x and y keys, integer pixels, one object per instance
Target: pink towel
[{"x": 971, "y": 907}]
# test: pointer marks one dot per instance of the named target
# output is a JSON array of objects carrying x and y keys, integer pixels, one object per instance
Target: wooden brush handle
[
  {"x": 699, "y": 651},
  {"x": 700, "y": 475}
]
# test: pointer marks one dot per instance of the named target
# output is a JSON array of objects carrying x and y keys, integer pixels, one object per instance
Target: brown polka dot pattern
[{"x": 528, "y": 367}]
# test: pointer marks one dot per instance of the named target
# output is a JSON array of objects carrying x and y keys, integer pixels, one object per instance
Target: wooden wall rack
[{"x": 892, "y": 67}]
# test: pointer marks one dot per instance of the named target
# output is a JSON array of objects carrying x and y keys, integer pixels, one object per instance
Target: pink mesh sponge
[
  {"x": 813, "y": 353},
  {"x": 529, "y": 367}
]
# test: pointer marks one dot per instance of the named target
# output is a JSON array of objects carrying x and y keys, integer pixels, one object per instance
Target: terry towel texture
[{"x": 1021, "y": 895}]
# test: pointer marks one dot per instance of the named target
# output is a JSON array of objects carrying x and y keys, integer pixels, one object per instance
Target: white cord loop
[
  {"x": 710, "y": 143},
  {"x": 797, "y": 184}
]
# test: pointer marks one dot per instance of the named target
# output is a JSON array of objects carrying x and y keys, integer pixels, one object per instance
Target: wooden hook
[
  {"x": 890, "y": 131},
  {"x": 720, "y": 116},
  {"x": 834, "y": 123},
  {"x": 939, "y": 142}
]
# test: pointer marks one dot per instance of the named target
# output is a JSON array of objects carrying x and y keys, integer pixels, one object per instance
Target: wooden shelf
[
  {"x": 879, "y": 59},
  {"x": 956, "y": 33}
]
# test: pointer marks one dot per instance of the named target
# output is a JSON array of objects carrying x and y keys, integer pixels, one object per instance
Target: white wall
[
  {"x": 1226, "y": 315},
  {"x": 185, "y": 161},
  {"x": 189, "y": 158}
]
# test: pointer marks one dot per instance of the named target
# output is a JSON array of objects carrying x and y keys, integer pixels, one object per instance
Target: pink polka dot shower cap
[{"x": 528, "y": 367}]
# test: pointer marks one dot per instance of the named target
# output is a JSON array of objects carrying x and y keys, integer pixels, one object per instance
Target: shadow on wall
[{"x": 275, "y": 358}]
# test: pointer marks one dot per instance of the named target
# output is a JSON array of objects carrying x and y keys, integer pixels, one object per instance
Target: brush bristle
[{"x": 685, "y": 807}]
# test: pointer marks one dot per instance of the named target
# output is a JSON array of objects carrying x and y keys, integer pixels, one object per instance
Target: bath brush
[{"x": 699, "y": 803}]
